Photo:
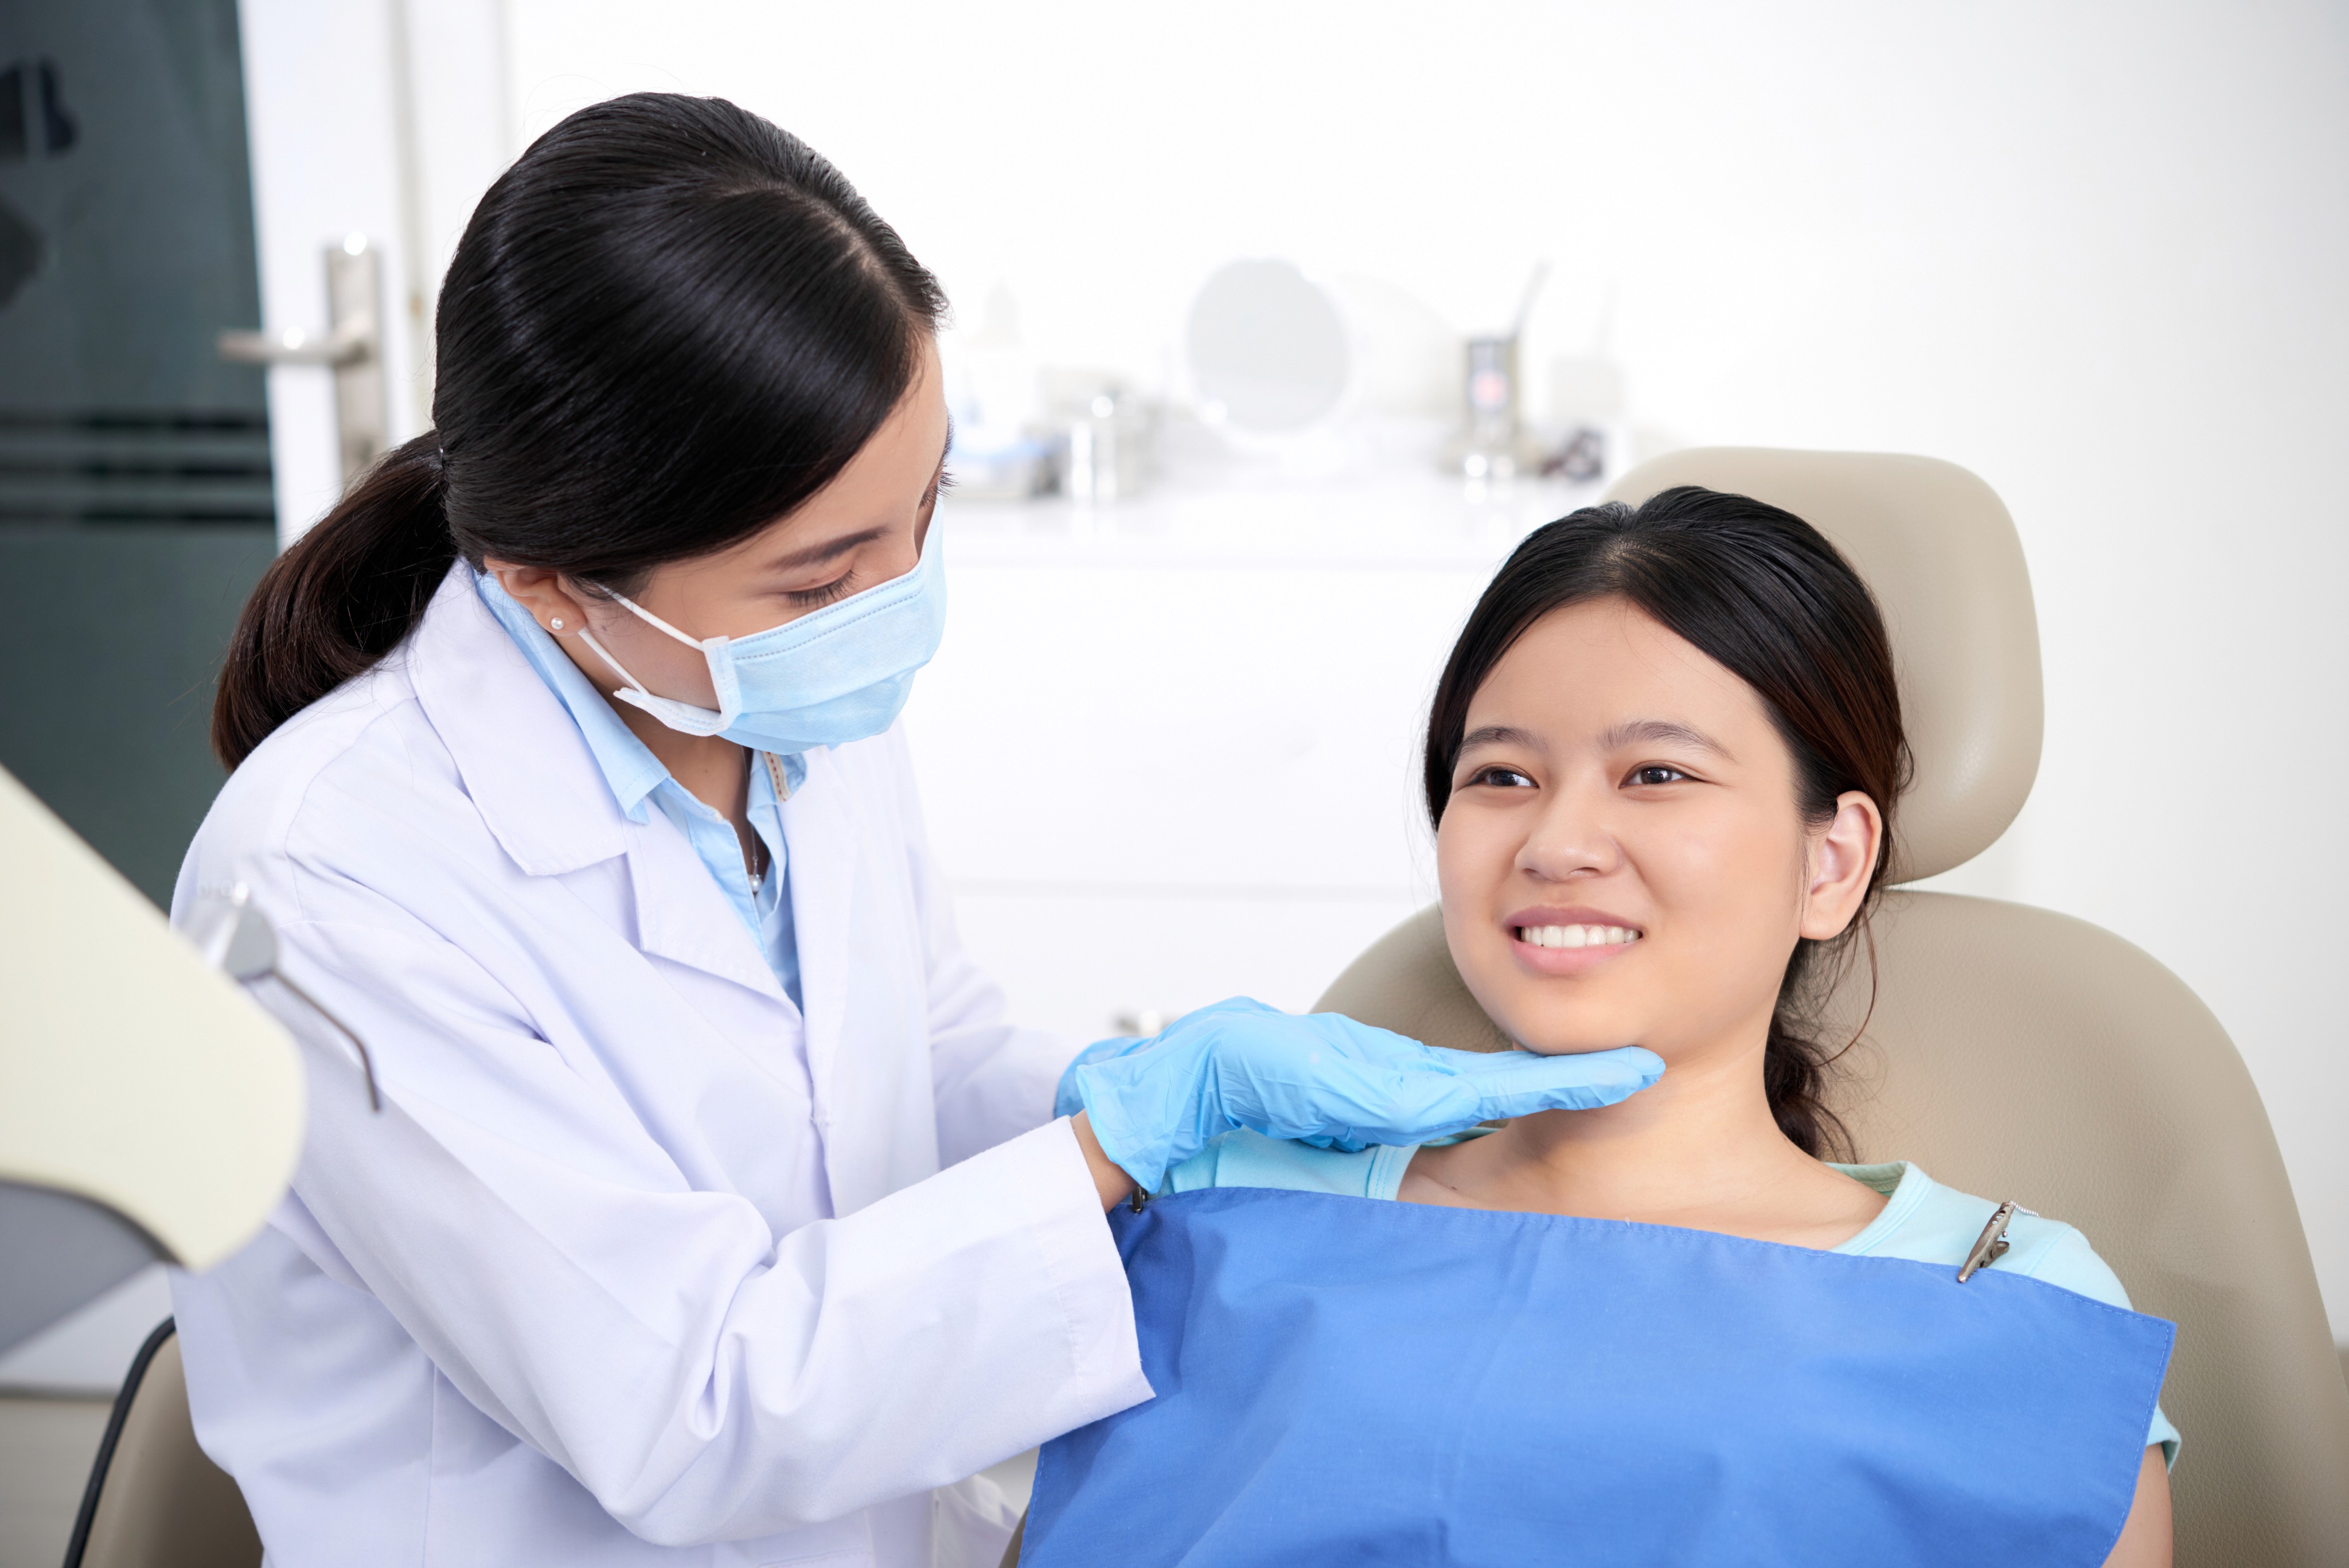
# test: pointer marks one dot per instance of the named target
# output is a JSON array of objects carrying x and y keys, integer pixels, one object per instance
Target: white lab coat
[{"x": 637, "y": 1266}]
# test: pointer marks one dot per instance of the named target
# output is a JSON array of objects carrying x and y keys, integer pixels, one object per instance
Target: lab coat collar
[
  {"x": 682, "y": 914},
  {"x": 523, "y": 760},
  {"x": 546, "y": 797},
  {"x": 821, "y": 830}
]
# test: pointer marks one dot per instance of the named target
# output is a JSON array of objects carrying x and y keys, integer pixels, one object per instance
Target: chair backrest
[
  {"x": 2020, "y": 1054},
  {"x": 154, "y": 1500}
]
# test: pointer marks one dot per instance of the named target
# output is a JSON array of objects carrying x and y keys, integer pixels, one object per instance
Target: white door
[{"x": 376, "y": 123}]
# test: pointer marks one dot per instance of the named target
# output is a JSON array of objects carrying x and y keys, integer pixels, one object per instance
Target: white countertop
[{"x": 1403, "y": 519}]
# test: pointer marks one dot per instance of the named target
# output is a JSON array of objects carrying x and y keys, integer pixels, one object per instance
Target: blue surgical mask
[{"x": 840, "y": 674}]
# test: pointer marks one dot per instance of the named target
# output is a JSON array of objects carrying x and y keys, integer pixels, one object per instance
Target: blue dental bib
[{"x": 1346, "y": 1380}]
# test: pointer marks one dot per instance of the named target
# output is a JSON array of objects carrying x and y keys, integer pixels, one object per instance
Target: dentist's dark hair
[
  {"x": 1764, "y": 595},
  {"x": 668, "y": 324}
]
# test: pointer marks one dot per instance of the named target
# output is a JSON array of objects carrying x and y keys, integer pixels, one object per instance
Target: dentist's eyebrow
[
  {"x": 1662, "y": 731},
  {"x": 830, "y": 550}
]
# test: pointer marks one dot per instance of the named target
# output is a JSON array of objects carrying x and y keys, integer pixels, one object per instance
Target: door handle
[
  {"x": 351, "y": 347},
  {"x": 293, "y": 346}
]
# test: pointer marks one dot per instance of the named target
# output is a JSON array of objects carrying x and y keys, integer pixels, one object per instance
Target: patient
[{"x": 1663, "y": 765}]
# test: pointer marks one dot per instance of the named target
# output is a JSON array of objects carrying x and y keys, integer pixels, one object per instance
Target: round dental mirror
[{"x": 1269, "y": 353}]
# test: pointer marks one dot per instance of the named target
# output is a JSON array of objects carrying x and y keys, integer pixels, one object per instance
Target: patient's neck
[{"x": 1698, "y": 1149}]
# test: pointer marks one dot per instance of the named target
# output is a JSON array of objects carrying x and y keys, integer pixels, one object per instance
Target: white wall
[{"x": 2093, "y": 252}]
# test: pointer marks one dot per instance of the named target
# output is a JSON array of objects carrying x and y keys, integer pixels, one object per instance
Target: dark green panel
[
  {"x": 135, "y": 487},
  {"x": 111, "y": 639},
  {"x": 125, "y": 208}
]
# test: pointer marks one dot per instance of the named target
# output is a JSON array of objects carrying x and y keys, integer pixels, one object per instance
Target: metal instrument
[
  {"x": 236, "y": 939},
  {"x": 1992, "y": 1245}
]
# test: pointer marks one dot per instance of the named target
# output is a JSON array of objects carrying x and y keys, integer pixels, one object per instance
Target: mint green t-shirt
[{"x": 1923, "y": 1220}]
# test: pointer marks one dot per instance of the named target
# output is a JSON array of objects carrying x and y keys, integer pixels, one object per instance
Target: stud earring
[{"x": 557, "y": 623}]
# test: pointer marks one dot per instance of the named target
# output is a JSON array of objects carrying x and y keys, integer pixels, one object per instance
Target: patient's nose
[{"x": 1570, "y": 840}]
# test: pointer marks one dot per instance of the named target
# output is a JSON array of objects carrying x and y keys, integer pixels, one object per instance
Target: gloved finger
[
  {"x": 1521, "y": 1083},
  {"x": 1366, "y": 1041},
  {"x": 1313, "y": 1095},
  {"x": 1229, "y": 1007}
]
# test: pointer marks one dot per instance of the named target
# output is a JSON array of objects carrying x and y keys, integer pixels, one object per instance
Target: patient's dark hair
[
  {"x": 667, "y": 324},
  {"x": 1762, "y": 594}
]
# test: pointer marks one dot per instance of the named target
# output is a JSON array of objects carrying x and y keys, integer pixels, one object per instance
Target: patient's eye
[
  {"x": 1653, "y": 774},
  {"x": 1501, "y": 777}
]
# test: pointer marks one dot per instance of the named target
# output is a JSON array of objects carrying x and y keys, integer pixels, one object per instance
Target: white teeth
[{"x": 1576, "y": 936}]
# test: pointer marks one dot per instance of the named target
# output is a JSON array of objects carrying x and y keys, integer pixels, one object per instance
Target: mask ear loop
[
  {"x": 692, "y": 642},
  {"x": 634, "y": 685},
  {"x": 638, "y": 687}
]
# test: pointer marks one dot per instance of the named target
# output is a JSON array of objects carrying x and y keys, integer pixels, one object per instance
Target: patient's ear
[{"x": 1842, "y": 861}]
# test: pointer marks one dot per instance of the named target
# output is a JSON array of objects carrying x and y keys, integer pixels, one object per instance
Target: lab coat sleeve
[
  {"x": 993, "y": 1080},
  {"x": 703, "y": 1378}
]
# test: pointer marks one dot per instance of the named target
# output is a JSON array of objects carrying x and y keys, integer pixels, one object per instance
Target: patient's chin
[
  {"x": 1540, "y": 1023},
  {"x": 1553, "y": 1037},
  {"x": 1567, "y": 1047}
]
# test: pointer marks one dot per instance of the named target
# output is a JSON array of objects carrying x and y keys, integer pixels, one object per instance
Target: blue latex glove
[{"x": 1319, "y": 1078}]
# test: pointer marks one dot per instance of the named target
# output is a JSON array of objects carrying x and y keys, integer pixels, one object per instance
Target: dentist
[{"x": 713, "y": 1213}]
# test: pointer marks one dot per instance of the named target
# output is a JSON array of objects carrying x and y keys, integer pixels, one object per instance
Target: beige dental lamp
[{"x": 150, "y": 1110}]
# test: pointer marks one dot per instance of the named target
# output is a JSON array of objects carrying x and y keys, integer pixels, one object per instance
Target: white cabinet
[{"x": 1170, "y": 749}]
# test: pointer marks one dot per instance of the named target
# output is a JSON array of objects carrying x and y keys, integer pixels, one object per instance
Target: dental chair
[
  {"x": 2020, "y": 1054},
  {"x": 154, "y": 1500}
]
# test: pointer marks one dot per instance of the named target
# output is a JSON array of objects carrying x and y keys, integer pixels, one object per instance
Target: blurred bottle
[
  {"x": 1103, "y": 433},
  {"x": 1492, "y": 444}
]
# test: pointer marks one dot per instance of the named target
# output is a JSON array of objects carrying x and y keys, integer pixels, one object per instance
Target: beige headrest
[
  {"x": 1941, "y": 555},
  {"x": 131, "y": 1075}
]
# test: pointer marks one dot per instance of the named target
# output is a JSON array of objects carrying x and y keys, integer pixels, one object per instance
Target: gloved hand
[{"x": 1320, "y": 1078}]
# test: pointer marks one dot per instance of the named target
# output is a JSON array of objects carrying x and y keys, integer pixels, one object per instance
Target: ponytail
[{"x": 340, "y": 598}]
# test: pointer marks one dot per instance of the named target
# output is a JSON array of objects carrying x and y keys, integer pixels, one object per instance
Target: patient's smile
[
  {"x": 1576, "y": 936},
  {"x": 1554, "y": 942}
]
